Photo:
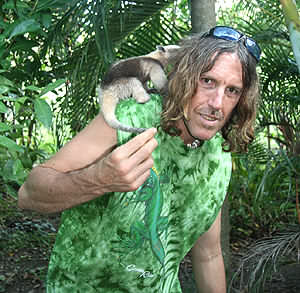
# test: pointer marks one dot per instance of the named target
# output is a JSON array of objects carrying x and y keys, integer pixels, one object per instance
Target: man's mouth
[{"x": 209, "y": 117}]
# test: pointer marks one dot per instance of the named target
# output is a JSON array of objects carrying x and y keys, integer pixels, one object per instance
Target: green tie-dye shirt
[{"x": 135, "y": 241}]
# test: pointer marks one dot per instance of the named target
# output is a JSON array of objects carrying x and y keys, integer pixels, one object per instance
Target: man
[{"x": 135, "y": 206}]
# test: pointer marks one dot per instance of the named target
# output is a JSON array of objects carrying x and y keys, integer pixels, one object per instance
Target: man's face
[{"x": 217, "y": 93}]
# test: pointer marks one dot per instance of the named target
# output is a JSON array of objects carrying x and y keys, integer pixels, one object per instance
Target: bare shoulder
[{"x": 93, "y": 142}]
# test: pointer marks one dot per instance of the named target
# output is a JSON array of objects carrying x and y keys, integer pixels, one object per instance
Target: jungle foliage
[
  {"x": 64, "y": 47},
  {"x": 265, "y": 187}
]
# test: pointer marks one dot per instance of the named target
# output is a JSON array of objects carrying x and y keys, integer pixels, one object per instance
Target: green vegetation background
[{"x": 52, "y": 56}]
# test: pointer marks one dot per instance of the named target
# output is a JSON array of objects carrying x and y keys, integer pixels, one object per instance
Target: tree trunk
[{"x": 203, "y": 15}]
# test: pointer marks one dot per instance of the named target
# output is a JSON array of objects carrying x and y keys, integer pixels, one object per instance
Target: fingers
[
  {"x": 140, "y": 180},
  {"x": 132, "y": 146},
  {"x": 136, "y": 151},
  {"x": 113, "y": 176},
  {"x": 129, "y": 165},
  {"x": 139, "y": 173}
]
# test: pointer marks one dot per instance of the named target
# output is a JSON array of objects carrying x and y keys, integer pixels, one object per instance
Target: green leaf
[
  {"x": 21, "y": 100},
  {"x": 2, "y": 43},
  {"x": 24, "y": 44},
  {"x": 46, "y": 20},
  {"x": 4, "y": 89},
  {"x": 28, "y": 25},
  {"x": 52, "y": 86},
  {"x": 295, "y": 39},
  {"x": 21, "y": 5},
  {"x": 5, "y": 81},
  {"x": 43, "y": 112},
  {"x": 14, "y": 171},
  {"x": 5, "y": 127},
  {"x": 3, "y": 108},
  {"x": 10, "y": 144},
  {"x": 6, "y": 98},
  {"x": 33, "y": 88},
  {"x": 8, "y": 5},
  {"x": 13, "y": 193}
]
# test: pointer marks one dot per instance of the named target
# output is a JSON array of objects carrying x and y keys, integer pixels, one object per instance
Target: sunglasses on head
[{"x": 230, "y": 34}]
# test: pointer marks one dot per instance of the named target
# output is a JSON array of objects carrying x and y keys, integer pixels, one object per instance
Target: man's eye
[
  {"x": 232, "y": 91},
  {"x": 206, "y": 82}
]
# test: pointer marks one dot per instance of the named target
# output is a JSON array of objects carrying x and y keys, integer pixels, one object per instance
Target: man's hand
[
  {"x": 73, "y": 176},
  {"x": 128, "y": 166}
]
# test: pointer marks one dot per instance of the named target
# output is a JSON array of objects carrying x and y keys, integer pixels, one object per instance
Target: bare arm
[
  {"x": 87, "y": 168},
  {"x": 207, "y": 261}
]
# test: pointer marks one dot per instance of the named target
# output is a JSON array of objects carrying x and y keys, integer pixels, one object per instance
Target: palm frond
[
  {"x": 257, "y": 154},
  {"x": 90, "y": 35},
  {"x": 107, "y": 23},
  {"x": 265, "y": 257},
  {"x": 273, "y": 183}
]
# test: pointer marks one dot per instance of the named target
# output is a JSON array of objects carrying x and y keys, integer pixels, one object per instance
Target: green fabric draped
[{"x": 135, "y": 241}]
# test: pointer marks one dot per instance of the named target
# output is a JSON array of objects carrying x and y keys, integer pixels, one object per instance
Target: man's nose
[{"x": 216, "y": 99}]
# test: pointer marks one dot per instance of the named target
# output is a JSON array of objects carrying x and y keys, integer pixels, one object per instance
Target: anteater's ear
[{"x": 160, "y": 48}]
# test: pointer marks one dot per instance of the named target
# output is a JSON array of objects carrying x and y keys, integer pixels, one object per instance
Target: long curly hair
[{"x": 197, "y": 55}]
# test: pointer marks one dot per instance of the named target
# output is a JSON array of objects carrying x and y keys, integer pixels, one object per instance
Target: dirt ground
[{"x": 26, "y": 240}]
